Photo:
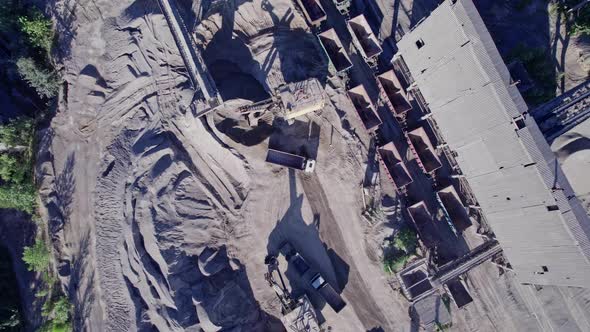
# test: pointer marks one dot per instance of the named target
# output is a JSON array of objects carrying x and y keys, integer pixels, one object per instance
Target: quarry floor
[{"x": 164, "y": 220}]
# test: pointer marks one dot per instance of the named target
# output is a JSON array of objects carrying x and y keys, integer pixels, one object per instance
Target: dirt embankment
[
  {"x": 16, "y": 232},
  {"x": 138, "y": 193}
]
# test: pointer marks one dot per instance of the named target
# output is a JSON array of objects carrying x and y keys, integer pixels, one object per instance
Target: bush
[
  {"x": 400, "y": 250},
  {"x": 11, "y": 168},
  {"x": 396, "y": 263},
  {"x": 37, "y": 257},
  {"x": 406, "y": 240},
  {"x": 58, "y": 313},
  {"x": 61, "y": 311},
  {"x": 18, "y": 196},
  {"x": 18, "y": 132},
  {"x": 46, "y": 83},
  {"x": 37, "y": 29},
  {"x": 539, "y": 66}
]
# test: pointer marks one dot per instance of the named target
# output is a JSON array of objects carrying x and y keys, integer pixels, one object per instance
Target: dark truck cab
[{"x": 313, "y": 277}]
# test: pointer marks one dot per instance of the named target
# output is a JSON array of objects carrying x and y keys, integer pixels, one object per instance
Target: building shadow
[
  {"x": 300, "y": 138},
  {"x": 578, "y": 143},
  {"x": 298, "y": 50},
  {"x": 243, "y": 135},
  {"x": 521, "y": 32},
  {"x": 225, "y": 298}
]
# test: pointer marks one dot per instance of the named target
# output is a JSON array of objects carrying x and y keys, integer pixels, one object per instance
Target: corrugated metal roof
[{"x": 520, "y": 186}]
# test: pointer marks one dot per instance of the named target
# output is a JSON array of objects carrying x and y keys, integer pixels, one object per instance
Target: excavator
[{"x": 298, "y": 314}]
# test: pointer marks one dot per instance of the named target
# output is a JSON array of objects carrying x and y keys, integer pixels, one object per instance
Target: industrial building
[{"x": 457, "y": 75}]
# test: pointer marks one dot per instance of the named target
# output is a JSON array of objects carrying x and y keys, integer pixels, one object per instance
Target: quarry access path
[{"x": 356, "y": 289}]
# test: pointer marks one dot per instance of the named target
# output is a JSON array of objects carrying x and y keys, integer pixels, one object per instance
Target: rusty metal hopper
[
  {"x": 394, "y": 93},
  {"x": 362, "y": 103},
  {"x": 334, "y": 50},
  {"x": 451, "y": 202},
  {"x": 422, "y": 147},
  {"x": 422, "y": 219},
  {"x": 396, "y": 169},
  {"x": 363, "y": 37}
]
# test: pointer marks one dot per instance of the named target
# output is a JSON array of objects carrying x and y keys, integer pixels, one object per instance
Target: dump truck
[
  {"x": 290, "y": 160},
  {"x": 334, "y": 49},
  {"x": 365, "y": 109},
  {"x": 298, "y": 314},
  {"x": 312, "y": 277}
]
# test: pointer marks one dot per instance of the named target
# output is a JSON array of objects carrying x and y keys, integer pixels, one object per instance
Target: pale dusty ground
[{"x": 145, "y": 202}]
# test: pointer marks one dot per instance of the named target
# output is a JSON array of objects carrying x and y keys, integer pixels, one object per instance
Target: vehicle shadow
[{"x": 304, "y": 237}]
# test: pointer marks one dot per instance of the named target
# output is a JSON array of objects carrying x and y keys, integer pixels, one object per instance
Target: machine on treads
[{"x": 298, "y": 315}]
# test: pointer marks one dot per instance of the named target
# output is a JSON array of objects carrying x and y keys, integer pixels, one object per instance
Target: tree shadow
[
  {"x": 81, "y": 273},
  {"x": 17, "y": 231},
  {"x": 65, "y": 184}
]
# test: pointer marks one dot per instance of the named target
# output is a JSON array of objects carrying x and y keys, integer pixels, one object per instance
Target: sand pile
[
  {"x": 139, "y": 195},
  {"x": 573, "y": 153}
]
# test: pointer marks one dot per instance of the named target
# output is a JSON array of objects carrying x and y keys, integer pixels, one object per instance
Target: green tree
[
  {"x": 12, "y": 168},
  {"x": 18, "y": 132},
  {"x": 37, "y": 29},
  {"x": 37, "y": 257},
  {"x": 44, "y": 81},
  {"x": 395, "y": 263},
  {"x": 405, "y": 240},
  {"x": 18, "y": 196},
  {"x": 61, "y": 311}
]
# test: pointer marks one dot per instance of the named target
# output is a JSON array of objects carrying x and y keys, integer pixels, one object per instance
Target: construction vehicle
[
  {"x": 313, "y": 277},
  {"x": 298, "y": 315},
  {"x": 290, "y": 160}
]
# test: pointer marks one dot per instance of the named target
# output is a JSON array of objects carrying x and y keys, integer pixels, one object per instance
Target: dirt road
[{"x": 356, "y": 290}]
